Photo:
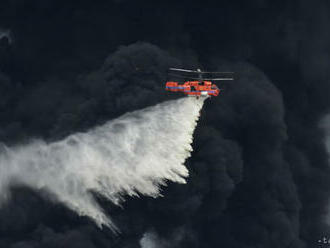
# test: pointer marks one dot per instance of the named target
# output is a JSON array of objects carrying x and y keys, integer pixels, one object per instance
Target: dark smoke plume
[{"x": 259, "y": 173}]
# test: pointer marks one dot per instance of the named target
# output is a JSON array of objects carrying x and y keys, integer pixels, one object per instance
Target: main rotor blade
[
  {"x": 201, "y": 79},
  {"x": 216, "y": 72},
  {"x": 184, "y": 70},
  {"x": 217, "y": 79},
  {"x": 194, "y": 71}
]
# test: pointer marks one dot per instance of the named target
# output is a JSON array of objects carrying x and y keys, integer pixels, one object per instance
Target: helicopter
[{"x": 197, "y": 86}]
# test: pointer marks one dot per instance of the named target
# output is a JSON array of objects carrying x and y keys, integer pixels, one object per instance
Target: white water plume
[{"x": 133, "y": 154}]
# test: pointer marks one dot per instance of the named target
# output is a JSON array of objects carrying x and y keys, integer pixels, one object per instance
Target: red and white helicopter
[{"x": 200, "y": 86}]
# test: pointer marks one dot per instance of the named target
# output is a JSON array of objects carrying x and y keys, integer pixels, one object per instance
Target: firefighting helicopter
[{"x": 200, "y": 86}]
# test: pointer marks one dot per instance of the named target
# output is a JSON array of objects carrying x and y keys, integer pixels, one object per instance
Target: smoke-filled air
[
  {"x": 133, "y": 154},
  {"x": 94, "y": 147}
]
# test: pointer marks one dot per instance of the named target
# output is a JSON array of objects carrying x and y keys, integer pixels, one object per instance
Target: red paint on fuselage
[{"x": 194, "y": 88}]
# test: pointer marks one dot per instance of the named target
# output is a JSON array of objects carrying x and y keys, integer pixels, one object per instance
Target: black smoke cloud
[{"x": 259, "y": 172}]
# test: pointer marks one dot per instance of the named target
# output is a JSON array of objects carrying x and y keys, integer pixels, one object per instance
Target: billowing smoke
[
  {"x": 259, "y": 173},
  {"x": 151, "y": 240},
  {"x": 131, "y": 155},
  {"x": 5, "y": 34},
  {"x": 325, "y": 126}
]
